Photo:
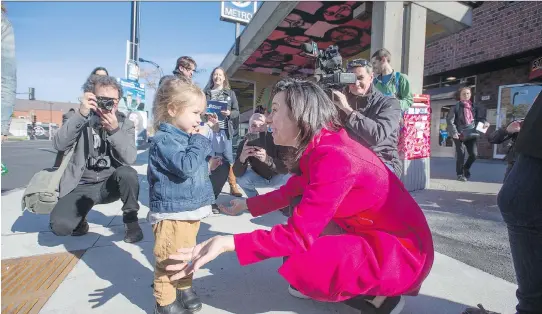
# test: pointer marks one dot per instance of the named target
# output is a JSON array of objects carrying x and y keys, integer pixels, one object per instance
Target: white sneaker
[{"x": 295, "y": 293}]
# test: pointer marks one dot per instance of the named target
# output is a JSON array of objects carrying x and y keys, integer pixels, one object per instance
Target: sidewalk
[{"x": 113, "y": 276}]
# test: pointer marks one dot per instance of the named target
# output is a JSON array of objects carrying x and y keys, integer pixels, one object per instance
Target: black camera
[
  {"x": 105, "y": 103},
  {"x": 99, "y": 162},
  {"x": 328, "y": 70}
]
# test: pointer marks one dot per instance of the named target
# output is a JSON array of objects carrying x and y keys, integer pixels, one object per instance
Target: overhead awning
[{"x": 271, "y": 43}]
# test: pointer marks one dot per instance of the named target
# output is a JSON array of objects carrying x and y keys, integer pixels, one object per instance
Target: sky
[{"x": 58, "y": 44}]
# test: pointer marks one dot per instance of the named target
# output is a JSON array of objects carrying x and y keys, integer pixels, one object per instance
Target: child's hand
[
  {"x": 200, "y": 130},
  {"x": 214, "y": 163}
]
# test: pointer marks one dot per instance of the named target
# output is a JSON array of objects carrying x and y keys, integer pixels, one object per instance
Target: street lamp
[{"x": 153, "y": 63}]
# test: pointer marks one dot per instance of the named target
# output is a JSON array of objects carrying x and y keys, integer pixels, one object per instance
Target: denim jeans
[
  {"x": 251, "y": 180},
  {"x": 9, "y": 73},
  {"x": 222, "y": 145},
  {"x": 520, "y": 202}
]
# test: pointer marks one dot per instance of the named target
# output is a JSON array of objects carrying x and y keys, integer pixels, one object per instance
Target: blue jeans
[
  {"x": 222, "y": 145},
  {"x": 9, "y": 73},
  {"x": 251, "y": 180},
  {"x": 520, "y": 202}
]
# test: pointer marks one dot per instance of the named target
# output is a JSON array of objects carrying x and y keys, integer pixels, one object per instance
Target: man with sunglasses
[
  {"x": 184, "y": 68},
  {"x": 390, "y": 82},
  {"x": 98, "y": 171},
  {"x": 370, "y": 118}
]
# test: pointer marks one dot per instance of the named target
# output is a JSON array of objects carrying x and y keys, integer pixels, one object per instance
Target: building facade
[{"x": 497, "y": 57}]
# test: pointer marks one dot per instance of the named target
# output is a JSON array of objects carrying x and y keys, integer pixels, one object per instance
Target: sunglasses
[{"x": 358, "y": 63}]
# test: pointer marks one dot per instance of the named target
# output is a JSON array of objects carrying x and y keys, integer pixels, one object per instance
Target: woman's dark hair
[
  {"x": 458, "y": 93},
  {"x": 312, "y": 110},
  {"x": 99, "y": 69}
]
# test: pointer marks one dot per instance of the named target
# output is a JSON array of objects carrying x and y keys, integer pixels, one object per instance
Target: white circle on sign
[{"x": 241, "y": 4}]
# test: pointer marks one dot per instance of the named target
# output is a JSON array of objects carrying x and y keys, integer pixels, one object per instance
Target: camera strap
[{"x": 97, "y": 142}]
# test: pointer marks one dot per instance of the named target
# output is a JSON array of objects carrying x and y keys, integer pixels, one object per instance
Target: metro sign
[{"x": 238, "y": 11}]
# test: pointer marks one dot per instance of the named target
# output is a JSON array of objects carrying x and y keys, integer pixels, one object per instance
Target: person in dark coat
[
  {"x": 510, "y": 134},
  {"x": 462, "y": 120}
]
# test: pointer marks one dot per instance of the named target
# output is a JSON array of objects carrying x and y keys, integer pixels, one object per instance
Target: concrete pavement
[{"x": 113, "y": 276}]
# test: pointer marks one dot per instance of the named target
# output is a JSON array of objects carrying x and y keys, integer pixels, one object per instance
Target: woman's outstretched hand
[
  {"x": 192, "y": 259},
  {"x": 237, "y": 205}
]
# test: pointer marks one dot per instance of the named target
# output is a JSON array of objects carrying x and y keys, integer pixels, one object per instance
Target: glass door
[{"x": 514, "y": 103}]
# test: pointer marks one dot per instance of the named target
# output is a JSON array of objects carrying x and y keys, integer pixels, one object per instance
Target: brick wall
[
  {"x": 487, "y": 84},
  {"x": 43, "y": 116},
  {"x": 498, "y": 29}
]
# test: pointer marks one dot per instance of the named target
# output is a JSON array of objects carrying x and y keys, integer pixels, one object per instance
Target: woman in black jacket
[
  {"x": 222, "y": 141},
  {"x": 462, "y": 120}
]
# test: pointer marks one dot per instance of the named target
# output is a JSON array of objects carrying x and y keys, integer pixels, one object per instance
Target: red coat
[{"x": 387, "y": 249}]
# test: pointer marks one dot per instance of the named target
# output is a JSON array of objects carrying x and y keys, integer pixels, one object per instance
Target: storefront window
[{"x": 514, "y": 104}]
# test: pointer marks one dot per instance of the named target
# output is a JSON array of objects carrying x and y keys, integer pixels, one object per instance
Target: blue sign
[{"x": 238, "y": 11}]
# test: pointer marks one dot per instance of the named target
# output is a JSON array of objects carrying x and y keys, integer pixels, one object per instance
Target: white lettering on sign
[
  {"x": 486, "y": 97},
  {"x": 231, "y": 12}
]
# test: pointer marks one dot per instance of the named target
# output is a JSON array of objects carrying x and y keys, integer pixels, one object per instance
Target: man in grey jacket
[
  {"x": 98, "y": 171},
  {"x": 371, "y": 118}
]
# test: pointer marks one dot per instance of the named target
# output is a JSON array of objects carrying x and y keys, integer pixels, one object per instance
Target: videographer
[
  {"x": 370, "y": 118},
  {"x": 98, "y": 171}
]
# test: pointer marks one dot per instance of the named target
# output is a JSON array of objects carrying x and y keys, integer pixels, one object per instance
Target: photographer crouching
[
  {"x": 98, "y": 171},
  {"x": 369, "y": 117}
]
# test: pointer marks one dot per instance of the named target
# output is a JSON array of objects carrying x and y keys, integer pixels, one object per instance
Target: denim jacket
[{"x": 178, "y": 171}]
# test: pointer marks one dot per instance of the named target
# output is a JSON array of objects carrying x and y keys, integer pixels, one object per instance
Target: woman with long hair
[
  {"x": 356, "y": 234},
  {"x": 462, "y": 120},
  {"x": 221, "y": 91}
]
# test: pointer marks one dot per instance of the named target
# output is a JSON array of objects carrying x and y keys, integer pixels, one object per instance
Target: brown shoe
[{"x": 233, "y": 184}]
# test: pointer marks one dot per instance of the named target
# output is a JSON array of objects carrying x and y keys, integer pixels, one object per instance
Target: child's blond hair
[{"x": 176, "y": 94}]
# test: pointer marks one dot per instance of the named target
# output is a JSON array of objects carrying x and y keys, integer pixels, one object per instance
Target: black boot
[
  {"x": 133, "y": 232},
  {"x": 215, "y": 209},
  {"x": 390, "y": 305},
  {"x": 173, "y": 308},
  {"x": 81, "y": 229},
  {"x": 189, "y": 299}
]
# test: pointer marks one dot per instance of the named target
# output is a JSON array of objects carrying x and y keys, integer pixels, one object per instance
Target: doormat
[{"x": 28, "y": 282}]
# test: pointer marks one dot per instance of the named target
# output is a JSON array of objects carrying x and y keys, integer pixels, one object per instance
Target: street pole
[
  {"x": 50, "y": 121},
  {"x": 237, "y": 38},
  {"x": 134, "y": 31}
]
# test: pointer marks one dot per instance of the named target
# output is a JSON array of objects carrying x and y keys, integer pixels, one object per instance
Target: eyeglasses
[{"x": 358, "y": 63}]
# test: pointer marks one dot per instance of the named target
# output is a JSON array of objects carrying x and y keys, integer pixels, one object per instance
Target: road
[
  {"x": 24, "y": 159},
  {"x": 463, "y": 216}
]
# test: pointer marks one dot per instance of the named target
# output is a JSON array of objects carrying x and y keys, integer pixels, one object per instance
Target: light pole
[
  {"x": 50, "y": 120},
  {"x": 153, "y": 63}
]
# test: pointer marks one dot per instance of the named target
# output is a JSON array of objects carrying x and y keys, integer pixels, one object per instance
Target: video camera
[{"x": 328, "y": 70}]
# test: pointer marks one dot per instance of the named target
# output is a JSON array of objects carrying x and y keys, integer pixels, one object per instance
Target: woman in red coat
[{"x": 356, "y": 234}]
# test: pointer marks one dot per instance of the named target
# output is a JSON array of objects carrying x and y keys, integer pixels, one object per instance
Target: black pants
[
  {"x": 74, "y": 207},
  {"x": 219, "y": 177},
  {"x": 472, "y": 151},
  {"x": 520, "y": 203}
]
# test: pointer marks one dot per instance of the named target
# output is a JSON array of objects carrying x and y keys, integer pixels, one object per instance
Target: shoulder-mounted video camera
[{"x": 328, "y": 70}]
